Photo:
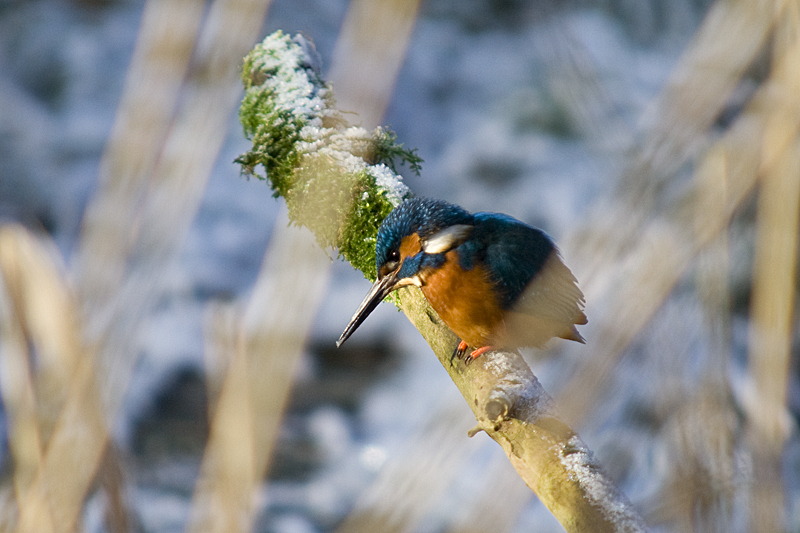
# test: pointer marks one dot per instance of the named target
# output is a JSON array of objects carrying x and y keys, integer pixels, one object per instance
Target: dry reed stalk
[
  {"x": 75, "y": 449},
  {"x": 774, "y": 285},
  {"x": 160, "y": 62},
  {"x": 152, "y": 178},
  {"x": 263, "y": 344},
  {"x": 629, "y": 291},
  {"x": 16, "y": 385},
  {"x": 153, "y": 86},
  {"x": 178, "y": 180},
  {"x": 220, "y": 332},
  {"x": 771, "y": 329},
  {"x": 47, "y": 307},
  {"x": 20, "y": 258},
  {"x": 699, "y": 428},
  {"x": 368, "y": 55},
  {"x": 44, "y": 314},
  {"x": 676, "y": 127},
  {"x": 714, "y": 262},
  {"x": 702, "y": 429},
  {"x": 224, "y": 498},
  {"x": 49, "y": 484},
  {"x": 703, "y": 484},
  {"x": 756, "y": 146}
]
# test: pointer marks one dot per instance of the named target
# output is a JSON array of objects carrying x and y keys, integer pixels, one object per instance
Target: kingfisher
[{"x": 494, "y": 281}]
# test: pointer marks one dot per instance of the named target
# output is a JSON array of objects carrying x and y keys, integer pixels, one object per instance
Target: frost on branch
[{"x": 340, "y": 181}]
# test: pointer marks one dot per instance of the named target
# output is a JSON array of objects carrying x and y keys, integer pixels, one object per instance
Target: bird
[{"x": 495, "y": 281}]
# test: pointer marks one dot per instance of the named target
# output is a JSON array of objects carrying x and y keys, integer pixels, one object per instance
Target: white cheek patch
[{"x": 446, "y": 239}]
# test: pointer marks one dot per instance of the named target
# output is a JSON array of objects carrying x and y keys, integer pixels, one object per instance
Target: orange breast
[{"x": 464, "y": 300}]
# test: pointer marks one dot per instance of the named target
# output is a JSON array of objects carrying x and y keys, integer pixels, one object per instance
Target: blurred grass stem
[
  {"x": 262, "y": 351},
  {"x": 633, "y": 287},
  {"x": 774, "y": 290},
  {"x": 168, "y": 132},
  {"x": 368, "y": 56}
]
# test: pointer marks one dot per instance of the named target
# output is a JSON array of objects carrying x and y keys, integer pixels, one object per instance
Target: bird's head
[{"x": 411, "y": 243}]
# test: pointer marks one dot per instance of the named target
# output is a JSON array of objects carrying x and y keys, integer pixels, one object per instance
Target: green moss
[
  {"x": 359, "y": 235},
  {"x": 310, "y": 157},
  {"x": 389, "y": 152},
  {"x": 274, "y": 133},
  {"x": 342, "y": 208}
]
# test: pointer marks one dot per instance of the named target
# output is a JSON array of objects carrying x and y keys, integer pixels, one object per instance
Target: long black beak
[{"x": 380, "y": 290}]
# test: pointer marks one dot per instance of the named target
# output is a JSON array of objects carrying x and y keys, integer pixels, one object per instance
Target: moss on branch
[{"x": 339, "y": 181}]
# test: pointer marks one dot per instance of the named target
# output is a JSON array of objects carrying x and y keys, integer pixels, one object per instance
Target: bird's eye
[{"x": 391, "y": 263}]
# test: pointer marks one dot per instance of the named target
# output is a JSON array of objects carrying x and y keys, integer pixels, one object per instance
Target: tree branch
[{"x": 339, "y": 182}]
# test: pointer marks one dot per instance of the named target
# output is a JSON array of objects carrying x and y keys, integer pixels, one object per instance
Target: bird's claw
[
  {"x": 479, "y": 352},
  {"x": 462, "y": 354},
  {"x": 459, "y": 352}
]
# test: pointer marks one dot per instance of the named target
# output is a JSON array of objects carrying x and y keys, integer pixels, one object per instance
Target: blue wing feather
[{"x": 512, "y": 251}]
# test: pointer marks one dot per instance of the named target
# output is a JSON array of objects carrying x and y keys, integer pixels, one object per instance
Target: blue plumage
[
  {"x": 511, "y": 250},
  {"x": 423, "y": 216}
]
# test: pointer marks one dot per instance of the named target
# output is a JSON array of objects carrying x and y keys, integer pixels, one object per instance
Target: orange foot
[
  {"x": 459, "y": 352},
  {"x": 477, "y": 353}
]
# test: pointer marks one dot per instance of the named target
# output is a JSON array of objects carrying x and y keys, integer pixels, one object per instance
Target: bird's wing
[
  {"x": 553, "y": 294},
  {"x": 527, "y": 268}
]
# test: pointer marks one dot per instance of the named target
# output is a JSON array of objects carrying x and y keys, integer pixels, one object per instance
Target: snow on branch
[{"x": 340, "y": 181}]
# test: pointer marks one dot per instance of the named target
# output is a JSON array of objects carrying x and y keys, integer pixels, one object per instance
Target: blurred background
[{"x": 133, "y": 264}]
